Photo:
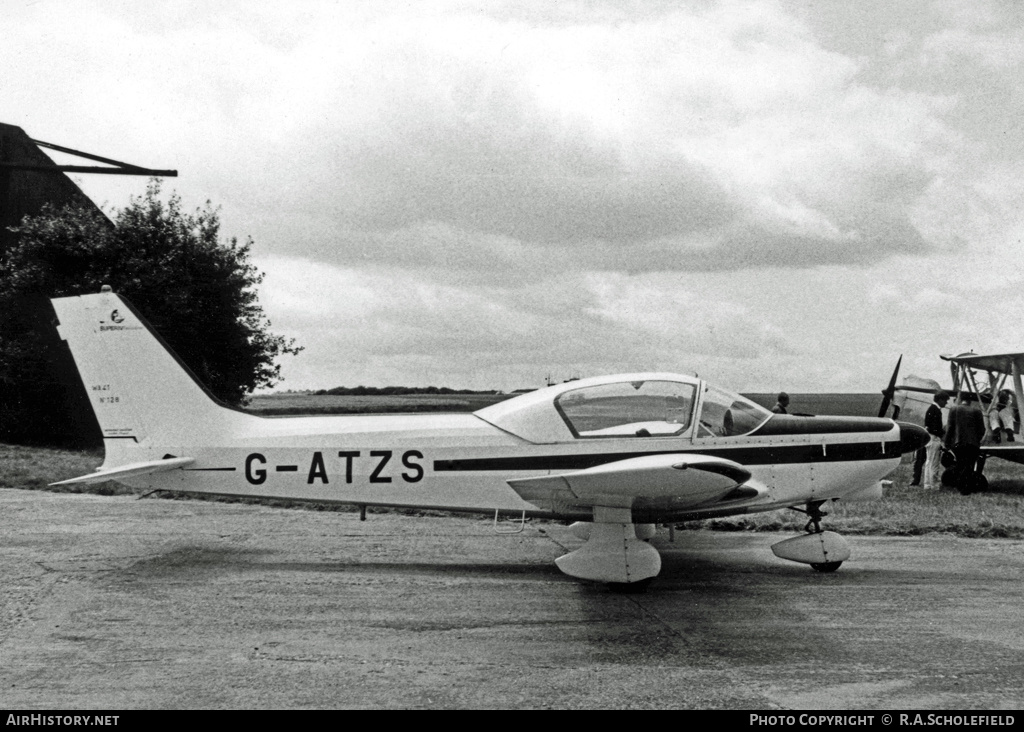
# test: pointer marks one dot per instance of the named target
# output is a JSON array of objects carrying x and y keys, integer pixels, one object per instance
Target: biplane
[
  {"x": 619, "y": 455},
  {"x": 994, "y": 382}
]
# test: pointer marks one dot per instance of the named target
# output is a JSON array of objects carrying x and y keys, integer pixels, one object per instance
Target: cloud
[
  {"x": 672, "y": 139},
  {"x": 906, "y": 300},
  {"x": 734, "y": 187},
  {"x": 361, "y": 325},
  {"x": 698, "y": 138}
]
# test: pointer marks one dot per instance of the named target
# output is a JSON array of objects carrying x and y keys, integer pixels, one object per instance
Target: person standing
[
  {"x": 964, "y": 432},
  {"x": 920, "y": 458},
  {"x": 933, "y": 450}
]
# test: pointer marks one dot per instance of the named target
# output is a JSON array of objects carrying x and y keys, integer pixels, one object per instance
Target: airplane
[
  {"x": 980, "y": 378},
  {"x": 618, "y": 455}
]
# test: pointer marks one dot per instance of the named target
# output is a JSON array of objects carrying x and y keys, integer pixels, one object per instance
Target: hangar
[
  {"x": 28, "y": 181},
  {"x": 29, "y": 178}
]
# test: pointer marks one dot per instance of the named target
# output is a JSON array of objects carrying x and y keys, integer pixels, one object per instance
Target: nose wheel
[{"x": 826, "y": 566}]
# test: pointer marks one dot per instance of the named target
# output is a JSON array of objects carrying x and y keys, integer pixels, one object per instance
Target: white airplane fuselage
[
  {"x": 461, "y": 462},
  {"x": 615, "y": 451}
]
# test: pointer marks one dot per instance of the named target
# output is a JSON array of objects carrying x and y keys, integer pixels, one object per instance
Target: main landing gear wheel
[
  {"x": 824, "y": 551},
  {"x": 630, "y": 588},
  {"x": 825, "y": 566},
  {"x": 814, "y": 527},
  {"x": 973, "y": 483}
]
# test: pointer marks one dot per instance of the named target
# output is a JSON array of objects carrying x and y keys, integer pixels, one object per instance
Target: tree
[{"x": 197, "y": 291}]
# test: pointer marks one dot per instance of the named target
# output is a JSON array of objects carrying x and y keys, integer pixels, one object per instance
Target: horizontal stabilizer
[
  {"x": 687, "y": 479},
  {"x": 131, "y": 470}
]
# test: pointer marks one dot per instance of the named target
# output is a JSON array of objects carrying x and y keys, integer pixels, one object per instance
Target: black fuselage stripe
[
  {"x": 767, "y": 455},
  {"x": 783, "y": 424}
]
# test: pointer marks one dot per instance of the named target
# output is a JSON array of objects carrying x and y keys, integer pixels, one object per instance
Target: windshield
[
  {"x": 632, "y": 408},
  {"x": 724, "y": 414}
]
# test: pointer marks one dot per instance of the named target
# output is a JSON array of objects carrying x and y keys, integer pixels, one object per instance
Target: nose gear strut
[{"x": 816, "y": 515}]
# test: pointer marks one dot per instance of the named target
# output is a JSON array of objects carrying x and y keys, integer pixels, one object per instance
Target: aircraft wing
[
  {"x": 684, "y": 479},
  {"x": 1014, "y": 452},
  {"x": 130, "y": 470},
  {"x": 1000, "y": 362}
]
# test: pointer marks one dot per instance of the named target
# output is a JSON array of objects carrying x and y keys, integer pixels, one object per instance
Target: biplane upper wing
[{"x": 996, "y": 363}]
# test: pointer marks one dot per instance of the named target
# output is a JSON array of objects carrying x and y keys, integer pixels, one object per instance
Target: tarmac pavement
[{"x": 122, "y": 603}]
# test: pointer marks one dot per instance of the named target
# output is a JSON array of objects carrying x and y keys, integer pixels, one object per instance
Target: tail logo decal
[{"x": 116, "y": 318}]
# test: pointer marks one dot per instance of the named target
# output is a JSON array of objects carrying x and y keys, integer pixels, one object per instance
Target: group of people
[{"x": 961, "y": 435}]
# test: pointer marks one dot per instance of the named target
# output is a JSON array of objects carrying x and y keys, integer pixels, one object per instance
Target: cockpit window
[
  {"x": 628, "y": 409},
  {"x": 723, "y": 414}
]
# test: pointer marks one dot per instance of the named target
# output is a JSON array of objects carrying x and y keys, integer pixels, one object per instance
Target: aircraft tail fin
[{"x": 143, "y": 396}]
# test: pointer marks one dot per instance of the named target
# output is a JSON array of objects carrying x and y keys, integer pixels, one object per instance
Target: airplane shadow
[
  {"x": 200, "y": 560},
  {"x": 709, "y": 570},
  {"x": 1005, "y": 486},
  {"x": 731, "y": 605}
]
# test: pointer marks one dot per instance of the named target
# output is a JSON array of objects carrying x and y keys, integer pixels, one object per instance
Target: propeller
[{"x": 890, "y": 391}]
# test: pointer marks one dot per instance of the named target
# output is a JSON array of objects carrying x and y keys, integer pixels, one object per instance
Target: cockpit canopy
[
  {"x": 633, "y": 405},
  {"x": 630, "y": 408},
  {"x": 724, "y": 414}
]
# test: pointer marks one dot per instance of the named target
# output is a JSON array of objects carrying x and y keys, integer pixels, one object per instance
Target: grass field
[
  {"x": 34, "y": 468},
  {"x": 905, "y": 510}
]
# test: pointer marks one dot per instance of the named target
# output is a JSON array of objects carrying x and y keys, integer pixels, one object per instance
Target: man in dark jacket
[{"x": 964, "y": 433}]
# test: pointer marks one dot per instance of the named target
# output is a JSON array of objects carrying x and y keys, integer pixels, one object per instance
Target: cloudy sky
[{"x": 776, "y": 195}]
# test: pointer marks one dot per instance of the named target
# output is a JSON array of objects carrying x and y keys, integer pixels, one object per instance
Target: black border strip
[
  {"x": 748, "y": 455},
  {"x": 787, "y": 424}
]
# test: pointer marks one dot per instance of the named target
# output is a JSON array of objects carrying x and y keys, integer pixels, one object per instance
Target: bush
[{"x": 197, "y": 291}]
